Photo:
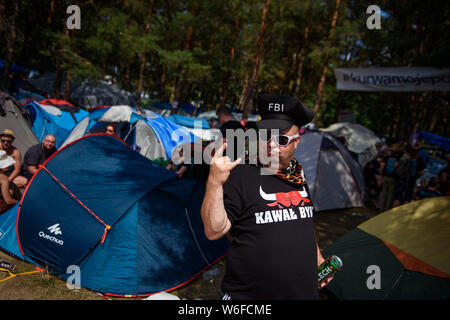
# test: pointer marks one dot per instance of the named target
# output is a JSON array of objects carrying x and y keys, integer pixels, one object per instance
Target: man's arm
[
  {"x": 213, "y": 212},
  {"x": 320, "y": 260},
  {"x": 214, "y": 216},
  {"x": 17, "y": 165},
  {"x": 4, "y": 184},
  {"x": 32, "y": 169},
  {"x": 32, "y": 159}
]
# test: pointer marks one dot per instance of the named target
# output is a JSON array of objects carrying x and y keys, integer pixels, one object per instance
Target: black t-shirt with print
[{"x": 273, "y": 253}]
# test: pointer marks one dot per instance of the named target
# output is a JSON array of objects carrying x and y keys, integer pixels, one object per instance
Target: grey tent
[
  {"x": 91, "y": 95},
  {"x": 358, "y": 139},
  {"x": 334, "y": 178},
  {"x": 14, "y": 117},
  {"x": 88, "y": 94}
]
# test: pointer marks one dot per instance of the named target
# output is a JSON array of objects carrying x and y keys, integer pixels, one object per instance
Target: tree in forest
[{"x": 250, "y": 84}]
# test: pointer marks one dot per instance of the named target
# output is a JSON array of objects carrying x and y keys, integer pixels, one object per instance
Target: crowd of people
[{"x": 391, "y": 178}]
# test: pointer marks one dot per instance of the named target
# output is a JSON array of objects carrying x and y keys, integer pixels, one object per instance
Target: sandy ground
[{"x": 330, "y": 226}]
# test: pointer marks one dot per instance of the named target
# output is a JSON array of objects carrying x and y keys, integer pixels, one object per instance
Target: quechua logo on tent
[{"x": 54, "y": 229}]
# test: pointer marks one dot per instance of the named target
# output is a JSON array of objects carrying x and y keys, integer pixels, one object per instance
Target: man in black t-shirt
[
  {"x": 268, "y": 211},
  {"x": 37, "y": 154}
]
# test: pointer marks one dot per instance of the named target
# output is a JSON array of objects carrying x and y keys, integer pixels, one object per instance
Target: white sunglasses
[{"x": 281, "y": 140}]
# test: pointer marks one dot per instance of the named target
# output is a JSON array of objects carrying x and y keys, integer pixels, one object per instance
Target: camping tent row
[
  {"x": 318, "y": 152},
  {"x": 103, "y": 207},
  {"x": 153, "y": 136}
]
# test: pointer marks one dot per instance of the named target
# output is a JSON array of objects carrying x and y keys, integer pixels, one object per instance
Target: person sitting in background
[
  {"x": 37, "y": 154},
  {"x": 110, "y": 129},
  {"x": 7, "y": 137},
  {"x": 431, "y": 190},
  {"x": 9, "y": 194}
]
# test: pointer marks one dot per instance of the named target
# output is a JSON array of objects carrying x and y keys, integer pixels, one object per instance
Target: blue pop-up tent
[
  {"x": 54, "y": 116},
  {"x": 132, "y": 227},
  {"x": 170, "y": 133}
]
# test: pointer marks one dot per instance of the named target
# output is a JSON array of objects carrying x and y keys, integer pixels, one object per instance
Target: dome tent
[
  {"x": 408, "y": 245},
  {"x": 358, "y": 139},
  {"x": 13, "y": 116},
  {"x": 334, "y": 178},
  {"x": 132, "y": 227},
  {"x": 54, "y": 116}
]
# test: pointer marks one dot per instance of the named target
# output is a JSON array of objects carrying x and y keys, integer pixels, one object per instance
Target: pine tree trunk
[
  {"x": 51, "y": 12},
  {"x": 181, "y": 83},
  {"x": 9, "y": 24},
  {"x": 244, "y": 92},
  {"x": 301, "y": 60},
  {"x": 247, "y": 94},
  {"x": 143, "y": 56},
  {"x": 232, "y": 53},
  {"x": 57, "y": 83},
  {"x": 61, "y": 53},
  {"x": 323, "y": 75},
  {"x": 67, "y": 87}
]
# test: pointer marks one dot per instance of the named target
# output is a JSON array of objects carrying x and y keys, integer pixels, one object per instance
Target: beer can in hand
[{"x": 330, "y": 266}]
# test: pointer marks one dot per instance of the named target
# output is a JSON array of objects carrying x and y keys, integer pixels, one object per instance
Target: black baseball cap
[{"x": 281, "y": 112}]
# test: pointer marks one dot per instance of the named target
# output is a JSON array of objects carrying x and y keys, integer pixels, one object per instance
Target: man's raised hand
[{"x": 221, "y": 166}]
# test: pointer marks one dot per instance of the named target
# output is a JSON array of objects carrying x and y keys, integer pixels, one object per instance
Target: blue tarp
[
  {"x": 132, "y": 227},
  {"x": 171, "y": 134},
  {"x": 13, "y": 67},
  {"x": 189, "y": 122},
  {"x": 435, "y": 139}
]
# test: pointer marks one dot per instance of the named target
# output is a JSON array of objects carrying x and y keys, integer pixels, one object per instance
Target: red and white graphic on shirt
[{"x": 287, "y": 199}]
